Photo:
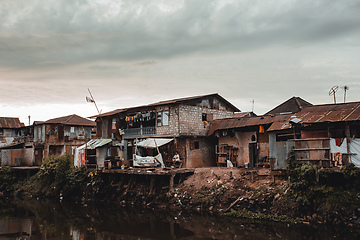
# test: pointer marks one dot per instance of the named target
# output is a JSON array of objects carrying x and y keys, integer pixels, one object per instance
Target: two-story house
[
  {"x": 185, "y": 120},
  {"x": 61, "y": 135}
]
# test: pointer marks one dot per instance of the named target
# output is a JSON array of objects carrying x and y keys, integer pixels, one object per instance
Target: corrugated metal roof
[
  {"x": 244, "y": 114},
  {"x": 167, "y": 102},
  {"x": 330, "y": 113},
  {"x": 114, "y": 112},
  {"x": 278, "y": 126},
  {"x": 229, "y": 123},
  {"x": 95, "y": 143},
  {"x": 73, "y": 120},
  {"x": 9, "y": 122},
  {"x": 311, "y": 114}
]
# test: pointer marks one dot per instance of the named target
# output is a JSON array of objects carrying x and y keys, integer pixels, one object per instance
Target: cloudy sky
[{"x": 136, "y": 52}]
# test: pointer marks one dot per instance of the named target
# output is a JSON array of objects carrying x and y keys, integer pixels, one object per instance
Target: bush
[
  {"x": 7, "y": 178},
  {"x": 351, "y": 176},
  {"x": 54, "y": 171}
]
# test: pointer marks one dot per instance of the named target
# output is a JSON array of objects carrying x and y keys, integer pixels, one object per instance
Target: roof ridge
[
  {"x": 298, "y": 103},
  {"x": 69, "y": 118}
]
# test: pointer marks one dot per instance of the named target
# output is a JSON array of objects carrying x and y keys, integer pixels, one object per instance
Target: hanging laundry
[
  {"x": 338, "y": 141},
  {"x": 261, "y": 129}
]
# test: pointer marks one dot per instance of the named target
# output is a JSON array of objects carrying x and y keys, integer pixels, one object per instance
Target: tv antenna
[
  {"x": 253, "y": 102},
  {"x": 332, "y": 91},
  {"x": 92, "y": 100},
  {"x": 345, "y": 89}
]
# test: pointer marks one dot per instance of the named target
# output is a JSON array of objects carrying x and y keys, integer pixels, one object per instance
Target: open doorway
[{"x": 253, "y": 156}]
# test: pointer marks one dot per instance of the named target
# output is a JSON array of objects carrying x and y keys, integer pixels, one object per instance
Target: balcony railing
[{"x": 137, "y": 132}]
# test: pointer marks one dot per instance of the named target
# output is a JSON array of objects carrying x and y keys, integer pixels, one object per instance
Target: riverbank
[{"x": 306, "y": 194}]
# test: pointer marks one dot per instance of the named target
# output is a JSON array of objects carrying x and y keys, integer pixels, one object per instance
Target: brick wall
[
  {"x": 191, "y": 122},
  {"x": 187, "y": 120},
  {"x": 172, "y": 128}
]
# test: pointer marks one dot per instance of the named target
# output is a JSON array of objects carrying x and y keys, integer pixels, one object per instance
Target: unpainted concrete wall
[
  {"x": 17, "y": 157},
  {"x": 202, "y": 157},
  {"x": 244, "y": 138}
]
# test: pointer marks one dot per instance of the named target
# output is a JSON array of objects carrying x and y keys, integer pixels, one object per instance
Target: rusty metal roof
[
  {"x": 342, "y": 112},
  {"x": 38, "y": 122},
  {"x": 229, "y": 123},
  {"x": 73, "y": 120},
  {"x": 9, "y": 122},
  {"x": 280, "y": 125},
  {"x": 111, "y": 113},
  {"x": 168, "y": 102},
  {"x": 292, "y": 105},
  {"x": 244, "y": 114}
]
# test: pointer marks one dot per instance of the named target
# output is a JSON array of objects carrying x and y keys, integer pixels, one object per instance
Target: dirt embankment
[
  {"x": 257, "y": 194},
  {"x": 221, "y": 190},
  {"x": 314, "y": 195}
]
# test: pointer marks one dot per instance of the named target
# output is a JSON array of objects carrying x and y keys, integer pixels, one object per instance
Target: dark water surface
[{"x": 53, "y": 220}]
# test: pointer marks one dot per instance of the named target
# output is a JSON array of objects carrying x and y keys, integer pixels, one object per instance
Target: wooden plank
[
  {"x": 309, "y": 139},
  {"x": 312, "y": 159},
  {"x": 310, "y": 149}
]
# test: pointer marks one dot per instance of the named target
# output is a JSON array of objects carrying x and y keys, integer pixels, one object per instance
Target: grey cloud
[{"x": 72, "y": 32}]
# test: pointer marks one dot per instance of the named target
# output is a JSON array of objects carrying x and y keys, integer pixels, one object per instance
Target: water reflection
[{"x": 52, "y": 220}]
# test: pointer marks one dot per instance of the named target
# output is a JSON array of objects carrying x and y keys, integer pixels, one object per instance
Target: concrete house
[
  {"x": 251, "y": 141},
  {"x": 186, "y": 121},
  {"x": 328, "y": 134},
  {"x": 60, "y": 135}
]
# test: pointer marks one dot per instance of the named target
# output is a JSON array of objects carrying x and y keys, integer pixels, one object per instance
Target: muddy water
[{"x": 52, "y": 220}]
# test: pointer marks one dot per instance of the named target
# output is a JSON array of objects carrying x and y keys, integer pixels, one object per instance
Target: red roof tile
[{"x": 71, "y": 120}]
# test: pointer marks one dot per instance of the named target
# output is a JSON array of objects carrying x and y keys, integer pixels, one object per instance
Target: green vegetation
[
  {"x": 260, "y": 216},
  {"x": 58, "y": 178},
  {"x": 323, "y": 195},
  {"x": 7, "y": 178}
]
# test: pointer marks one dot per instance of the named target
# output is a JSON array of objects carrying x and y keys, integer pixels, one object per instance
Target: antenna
[
  {"x": 252, "y": 101},
  {"x": 92, "y": 100},
  {"x": 345, "y": 89},
  {"x": 332, "y": 91}
]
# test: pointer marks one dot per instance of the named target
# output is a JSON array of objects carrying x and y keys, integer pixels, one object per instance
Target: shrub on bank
[
  {"x": 58, "y": 178},
  {"x": 319, "y": 194},
  {"x": 7, "y": 178}
]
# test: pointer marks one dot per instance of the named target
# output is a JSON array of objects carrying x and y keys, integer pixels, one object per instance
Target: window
[
  {"x": 203, "y": 117},
  {"x": 162, "y": 118},
  {"x": 1, "y": 131},
  {"x": 207, "y": 117},
  {"x": 158, "y": 119},
  {"x": 72, "y": 129},
  {"x": 165, "y": 116},
  {"x": 194, "y": 145},
  {"x": 113, "y": 126}
]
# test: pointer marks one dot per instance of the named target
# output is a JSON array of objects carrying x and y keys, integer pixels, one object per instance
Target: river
[{"x": 54, "y": 220}]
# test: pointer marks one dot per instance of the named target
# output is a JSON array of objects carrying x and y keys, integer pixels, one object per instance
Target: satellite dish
[{"x": 332, "y": 91}]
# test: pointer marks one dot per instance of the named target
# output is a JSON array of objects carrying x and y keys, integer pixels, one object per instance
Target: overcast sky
[{"x": 135, "y": 52}]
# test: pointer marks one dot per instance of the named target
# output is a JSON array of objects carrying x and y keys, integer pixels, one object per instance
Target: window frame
[{"x": 160, "y": 119}]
